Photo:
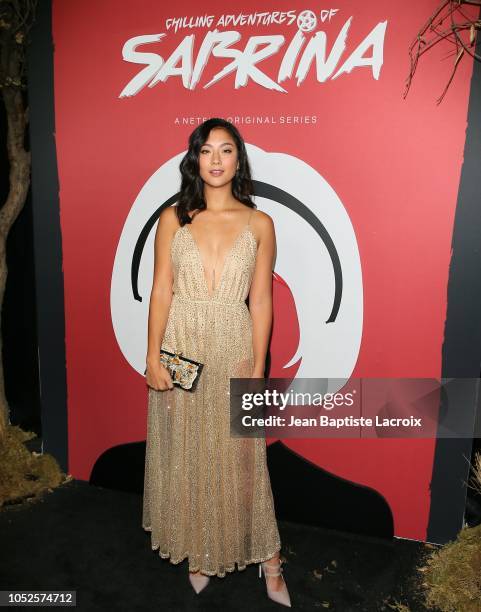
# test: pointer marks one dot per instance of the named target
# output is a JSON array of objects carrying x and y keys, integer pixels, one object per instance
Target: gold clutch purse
[{"x": 183, "y": 371}]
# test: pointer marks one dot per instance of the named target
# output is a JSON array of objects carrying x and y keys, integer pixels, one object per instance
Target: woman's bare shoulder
[
  {"x": 168, "y": 218},
  {"x": 262, "y": 221},
  {"x": 262, "y": 227}
]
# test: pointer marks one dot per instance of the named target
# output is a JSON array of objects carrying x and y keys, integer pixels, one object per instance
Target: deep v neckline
[{"x": 224, "y": 264}]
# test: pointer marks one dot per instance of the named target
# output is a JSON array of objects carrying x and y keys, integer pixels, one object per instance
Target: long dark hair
[{"x": 191, "y": 195}]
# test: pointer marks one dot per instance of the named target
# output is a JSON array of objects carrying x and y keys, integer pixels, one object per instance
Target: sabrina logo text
[{"x": 299, "y": 56}]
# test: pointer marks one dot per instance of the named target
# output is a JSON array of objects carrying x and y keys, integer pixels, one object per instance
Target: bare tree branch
[
  {"x": 431, "y": 34},
  {"x": 16, "y": 20}
]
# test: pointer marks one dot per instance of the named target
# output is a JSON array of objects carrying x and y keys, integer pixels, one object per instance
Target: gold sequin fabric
[{"x": 207, "y": 495}]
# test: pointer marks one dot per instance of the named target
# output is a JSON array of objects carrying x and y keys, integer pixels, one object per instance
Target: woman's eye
[
  {"x": 227, "y": 150},
  {"x": 205, "y": 151}
]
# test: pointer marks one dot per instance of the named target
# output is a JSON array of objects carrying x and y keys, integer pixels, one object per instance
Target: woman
[{"x": 207, "y": 495}]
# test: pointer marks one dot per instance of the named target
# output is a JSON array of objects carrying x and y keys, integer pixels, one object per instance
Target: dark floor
[{"x": 90, "y": 539}]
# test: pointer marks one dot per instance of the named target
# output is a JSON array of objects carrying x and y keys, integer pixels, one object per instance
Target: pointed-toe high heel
[
  {"x": 198, "y": 582},
  {"x": 282, "y": 595}
]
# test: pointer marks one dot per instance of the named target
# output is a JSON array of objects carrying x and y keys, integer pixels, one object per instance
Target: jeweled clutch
[{"x": 183, "y": 371}]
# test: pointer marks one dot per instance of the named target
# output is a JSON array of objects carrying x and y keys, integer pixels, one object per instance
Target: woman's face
[{"x": 218, "y": 158}]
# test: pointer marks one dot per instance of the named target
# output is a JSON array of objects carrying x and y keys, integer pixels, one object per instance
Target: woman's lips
[{"x": 216, "y": 172}]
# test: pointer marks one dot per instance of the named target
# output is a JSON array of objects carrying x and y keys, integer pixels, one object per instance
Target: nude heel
[
  {"x": 198, "y": 582},
  {"x": 281, "y": 596}
]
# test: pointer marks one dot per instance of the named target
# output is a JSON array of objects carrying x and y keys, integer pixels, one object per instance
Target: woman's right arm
[{"x": 157, "y": 376}]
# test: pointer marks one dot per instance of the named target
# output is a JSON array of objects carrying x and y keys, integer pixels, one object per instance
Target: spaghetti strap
[{"x": 250, "y": 215}]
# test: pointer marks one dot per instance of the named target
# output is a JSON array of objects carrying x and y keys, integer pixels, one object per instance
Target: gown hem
[{"x": 241, "y": 566}]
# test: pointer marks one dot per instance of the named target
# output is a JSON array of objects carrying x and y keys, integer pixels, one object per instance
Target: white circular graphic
[
  {"x": 306, "y": 21},
  {"x": 326, "y": 350}
]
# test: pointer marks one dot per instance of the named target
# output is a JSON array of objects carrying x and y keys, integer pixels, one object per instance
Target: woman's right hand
[{"x": 157, "y": 377}]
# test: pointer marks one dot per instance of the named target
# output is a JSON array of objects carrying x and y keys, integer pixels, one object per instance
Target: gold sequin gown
[{"x": 207, "y": 496}]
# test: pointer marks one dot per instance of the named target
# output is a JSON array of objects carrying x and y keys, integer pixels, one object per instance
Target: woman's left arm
[{"x": 260, "y": 296}]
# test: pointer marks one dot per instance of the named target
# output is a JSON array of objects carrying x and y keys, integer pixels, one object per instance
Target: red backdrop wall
[{"x": 395, "y": 164}]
